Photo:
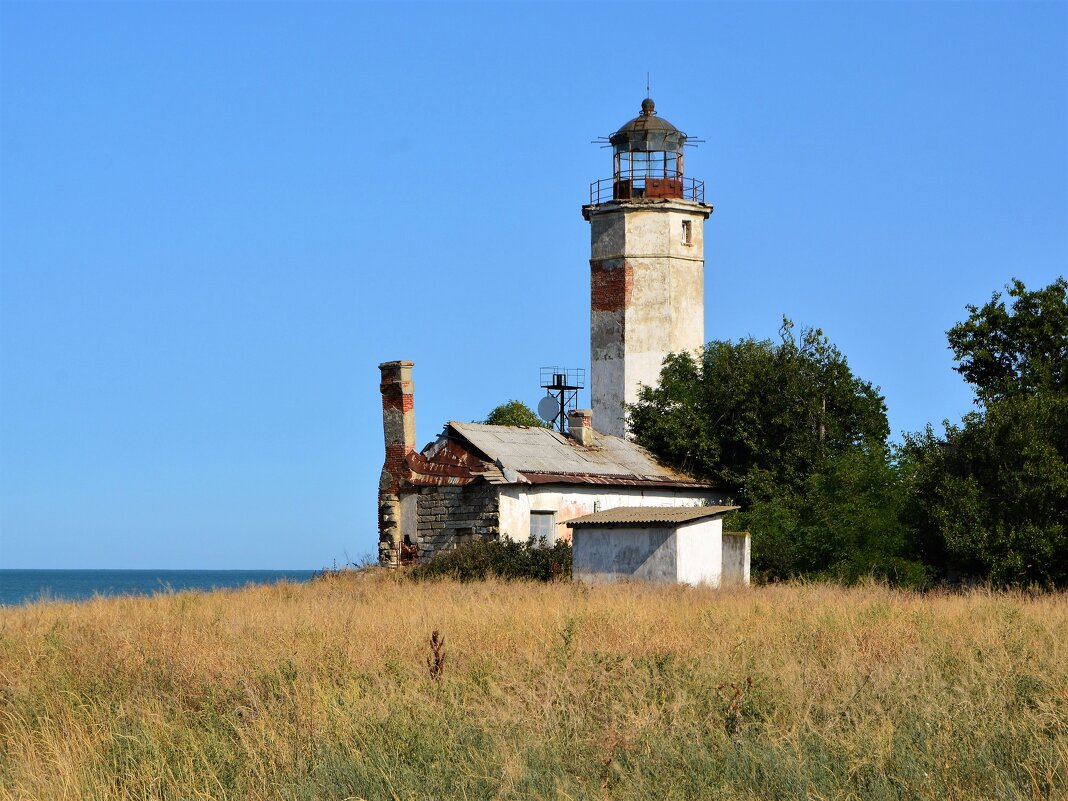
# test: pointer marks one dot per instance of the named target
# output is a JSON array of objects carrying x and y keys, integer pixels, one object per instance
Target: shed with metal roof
[{"x": 664, "y": 545}]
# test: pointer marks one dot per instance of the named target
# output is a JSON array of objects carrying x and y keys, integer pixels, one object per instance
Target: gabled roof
[
  {"x": 542, "y": 456},
  {"x": 645, "y": 515}
]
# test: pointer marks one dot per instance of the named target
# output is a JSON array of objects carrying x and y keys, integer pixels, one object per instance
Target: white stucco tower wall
[{"x": 646, "y": 296}]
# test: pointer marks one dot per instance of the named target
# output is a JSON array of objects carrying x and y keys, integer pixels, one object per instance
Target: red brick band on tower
[{"x": 610, "y": 286}]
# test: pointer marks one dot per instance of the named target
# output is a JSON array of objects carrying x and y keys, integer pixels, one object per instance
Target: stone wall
[
  {"x": 389, "y": 525},
  {"x": 451, "y": 516}
]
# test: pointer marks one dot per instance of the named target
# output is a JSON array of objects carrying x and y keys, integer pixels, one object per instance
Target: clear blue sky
[{"x": 217, "y": 219}]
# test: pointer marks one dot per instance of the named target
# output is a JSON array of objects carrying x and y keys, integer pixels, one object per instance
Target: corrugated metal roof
[
  {"x": 642, "y": 515},
  {"x": 541, "y": 450}
]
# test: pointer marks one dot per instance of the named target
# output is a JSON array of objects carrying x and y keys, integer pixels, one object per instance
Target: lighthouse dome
[{"x": 647, "y": 131}]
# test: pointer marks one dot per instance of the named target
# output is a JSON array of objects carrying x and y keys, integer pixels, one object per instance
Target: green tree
[
  {"x": 845, "y": 524},
  {"x": 514, "y": 413},
  {"x": 798, "y": 440},
  {"x": 759, "y": 417},
  {"x": 1022, "y": 347},
  {"x": 989, "y": 499}
]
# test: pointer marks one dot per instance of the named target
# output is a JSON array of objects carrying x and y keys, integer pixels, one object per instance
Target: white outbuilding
[{"x": 665, "y": 545}]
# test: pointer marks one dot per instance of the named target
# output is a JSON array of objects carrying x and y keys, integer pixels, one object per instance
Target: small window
[
  {"x": 687, "y": 232},
  {"x": 543, "y": 526}
]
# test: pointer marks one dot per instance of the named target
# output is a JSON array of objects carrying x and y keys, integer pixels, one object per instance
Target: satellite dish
[{"x": 548, "y": 408}]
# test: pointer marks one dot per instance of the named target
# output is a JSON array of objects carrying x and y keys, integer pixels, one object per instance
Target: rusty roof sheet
[
  {"x": 614, "y": 481},
  {"x": 644, "y": 515},
  {"x": 544, "y": 451}
]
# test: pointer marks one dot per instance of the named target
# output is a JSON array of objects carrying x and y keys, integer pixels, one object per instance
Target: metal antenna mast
[{"x": 562, "y": 388}]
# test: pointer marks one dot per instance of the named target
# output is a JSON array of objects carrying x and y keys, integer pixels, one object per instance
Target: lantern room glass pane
[{"x": 640, "y": 164}]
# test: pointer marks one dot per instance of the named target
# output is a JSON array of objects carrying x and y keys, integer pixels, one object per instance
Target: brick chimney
[
  {"x": 580, "y": 426},
  {"x": 398, "y": 425},
  {"x": 398, "y": 414}
]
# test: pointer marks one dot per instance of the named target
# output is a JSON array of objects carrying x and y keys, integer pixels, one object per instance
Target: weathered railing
[{"x": 643, "y": 187}]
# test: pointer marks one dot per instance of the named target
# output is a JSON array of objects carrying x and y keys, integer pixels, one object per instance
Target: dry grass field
[{"x": 323, "y": 691}]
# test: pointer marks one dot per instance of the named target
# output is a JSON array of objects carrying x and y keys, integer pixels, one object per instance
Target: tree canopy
[
  {"x": 798, "y": 440},
  {"x": 801, "y": 442},
  {"x": 989, "y": 498},
  {"x": 1022, "y": 347},
  {"x": 513, "y": 413},
  {"x": 758, "y": 417}
]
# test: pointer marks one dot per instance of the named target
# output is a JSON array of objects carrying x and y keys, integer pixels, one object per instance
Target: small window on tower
[{"x": 687, "y": 232}]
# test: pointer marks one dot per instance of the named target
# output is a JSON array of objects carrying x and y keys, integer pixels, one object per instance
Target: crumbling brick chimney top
[
  {"x": 398, "y": 414},
  {"x": 580, "y": 426}
]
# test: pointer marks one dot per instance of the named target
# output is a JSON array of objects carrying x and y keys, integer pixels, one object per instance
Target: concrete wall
[
  {"x": 646, "y": 297},
  {"x": 700, "y": 552},
  {"x": 569, "y": 502},
  {"x": 736, "y": 550},
  {"x": 601, "y": 554}
]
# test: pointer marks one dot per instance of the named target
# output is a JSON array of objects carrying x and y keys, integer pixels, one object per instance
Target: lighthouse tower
[{"x": 647, "y": 263}]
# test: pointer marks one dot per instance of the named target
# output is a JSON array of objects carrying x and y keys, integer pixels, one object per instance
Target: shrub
[{"x": 501, "y": 558}]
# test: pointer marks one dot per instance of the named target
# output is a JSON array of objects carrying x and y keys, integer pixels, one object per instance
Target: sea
[{"x": 22, "y": 586}]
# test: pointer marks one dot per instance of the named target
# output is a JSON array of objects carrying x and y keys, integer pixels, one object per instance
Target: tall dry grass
[{"x": 322, "y": 691}]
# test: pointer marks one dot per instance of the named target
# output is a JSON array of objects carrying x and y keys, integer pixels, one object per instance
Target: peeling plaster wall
[
  {"x": 569, "y": 502},
  {"x": 646, "y": 298}
]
